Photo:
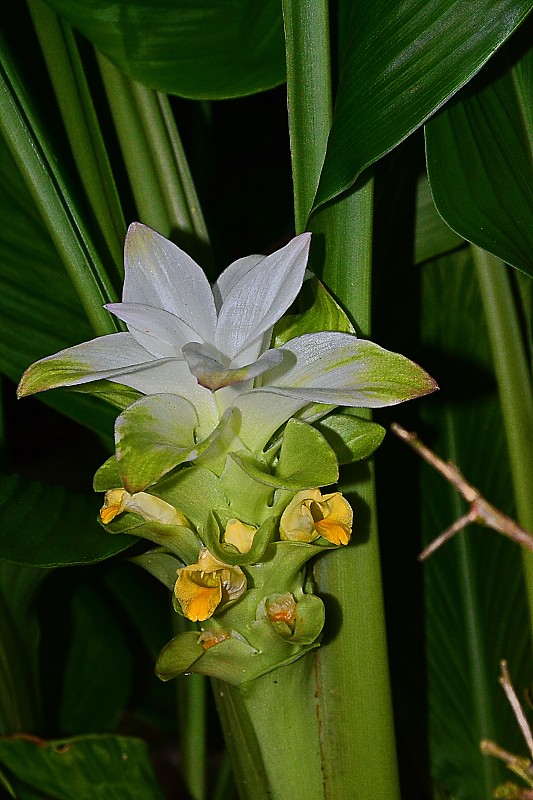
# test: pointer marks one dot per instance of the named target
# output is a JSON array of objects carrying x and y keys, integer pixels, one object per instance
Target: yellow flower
[
  {"x": 239, "y": 535},
  {"x": 210, "y": 638},
  {"x": 311, "y": 514},
  {"x": 281, "y": 608},
  {"x": 203, "y": 586},
  {"x": 147, "y": 506}
]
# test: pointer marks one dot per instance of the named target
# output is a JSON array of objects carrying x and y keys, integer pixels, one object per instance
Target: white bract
[{"x": 210, "y": 345}]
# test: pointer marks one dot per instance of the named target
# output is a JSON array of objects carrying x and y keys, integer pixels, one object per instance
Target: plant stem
[
  {"x": 155, "y": 160},
  {"x": 193, "y": 734},
  {"x": 353, "y": 690},
  {"x": 267, "y": 722},
  {"x": 67, "y": 74},
  {"x": 514, "y": 387}
]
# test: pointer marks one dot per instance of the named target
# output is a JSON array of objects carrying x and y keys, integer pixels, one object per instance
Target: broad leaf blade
[
  {"x": 95, "y": 691},
  {"x": 203, "y": 50},
  {"x": 38, "y": 304},
  {"x": 475, "y": 599},
  {"x": 432, "y": 236},
  {"x": 401, "y": 63},
  {"x": 48, "y": 526},
  {"x": 480, "y": 160},
  {"x": 20, "y": 693},
  {"x": 107, "y": 767}
]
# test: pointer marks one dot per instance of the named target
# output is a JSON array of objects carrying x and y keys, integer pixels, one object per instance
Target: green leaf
[
  {"x": 179, "y": 655},
  {"x": 325, "y": 314},
  {"x": 95, "y": 690},
  {"x": 207, "y": 50},
  {"x": 432, "y": 236},
  {"x": 175, "y": 538},
  {"x": 351, "y": 437},
  {"x": 475, "y": 600},
  {"x": 43, "y": 173},
  {"x": 161, "y": 565},
  {"x": 109, "y": 767},
  {"x": 480, "y": 159},
  {"x": 399, "y": 64},
  {"x": 48, "y": 526},
  {"x": 107, "y": 476},
  {"x": 304, "y": 456},
  {"x": 38, "y": 303},
  {"x": 20, "y": 690}
]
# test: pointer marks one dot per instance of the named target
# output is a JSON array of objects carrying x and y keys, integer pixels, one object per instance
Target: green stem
[
  {"x": 66, "y": 72},
  {"x": 155, "y": 160},
  {"x": 193, "y": 734},
  {"x": 192, "y": 723},
  {"x": 270, "y": 726},
  {"x": 353, "y": 689},
  {"x": 225, "y": 784},
  {"x": 514, "y": 387},
  {"x": 135, "y": 148},
  {"x": 38, "y": 167}
]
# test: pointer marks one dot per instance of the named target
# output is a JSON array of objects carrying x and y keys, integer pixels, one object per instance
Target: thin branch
[
  {"x": 518, "y": 711},
  {"x": 518, "y": 764},
  {"x": 481, "y": 510}
]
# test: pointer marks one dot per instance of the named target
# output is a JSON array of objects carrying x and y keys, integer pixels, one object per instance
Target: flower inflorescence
[{"x": 227, "y": 434}]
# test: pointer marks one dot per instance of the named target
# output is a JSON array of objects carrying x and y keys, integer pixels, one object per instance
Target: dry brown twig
[
  {"x": 517, "y": 764},
  {"x": 480, "y": 510}
]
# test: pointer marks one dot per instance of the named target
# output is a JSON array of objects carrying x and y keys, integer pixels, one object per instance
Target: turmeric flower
[
  {"x": 202, "y": 587},
  {"x": 311, "y": 514},
  {"x": 150, "y": 508}
]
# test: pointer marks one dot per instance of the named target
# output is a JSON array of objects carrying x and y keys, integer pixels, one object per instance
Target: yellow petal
[
  {"x": 210, "y": 638},
  {"x": 333, "y": 531},
  {"x": 281, "y": 608},
  {"x": 114, "y": 500},
  {"x": 153, "y": 509},
  {"x": 297, "y": 523},
  {"x": 311, "y": 514},
  {"x": 203, "y": 586},
  {"x": 239, "y": 535},
  {"x": 198, "y": 593}
]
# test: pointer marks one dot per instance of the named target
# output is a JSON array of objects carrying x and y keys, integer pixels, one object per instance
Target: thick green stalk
[
  {"x": 353, "y": 689},
  {"x": 358, "y": 745},
  {"x": 38, "y": 167},
  {"x": 67, "y": 74},
  {"x": 270, "y": 725},
  {"x": 514, "y": 387}
]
